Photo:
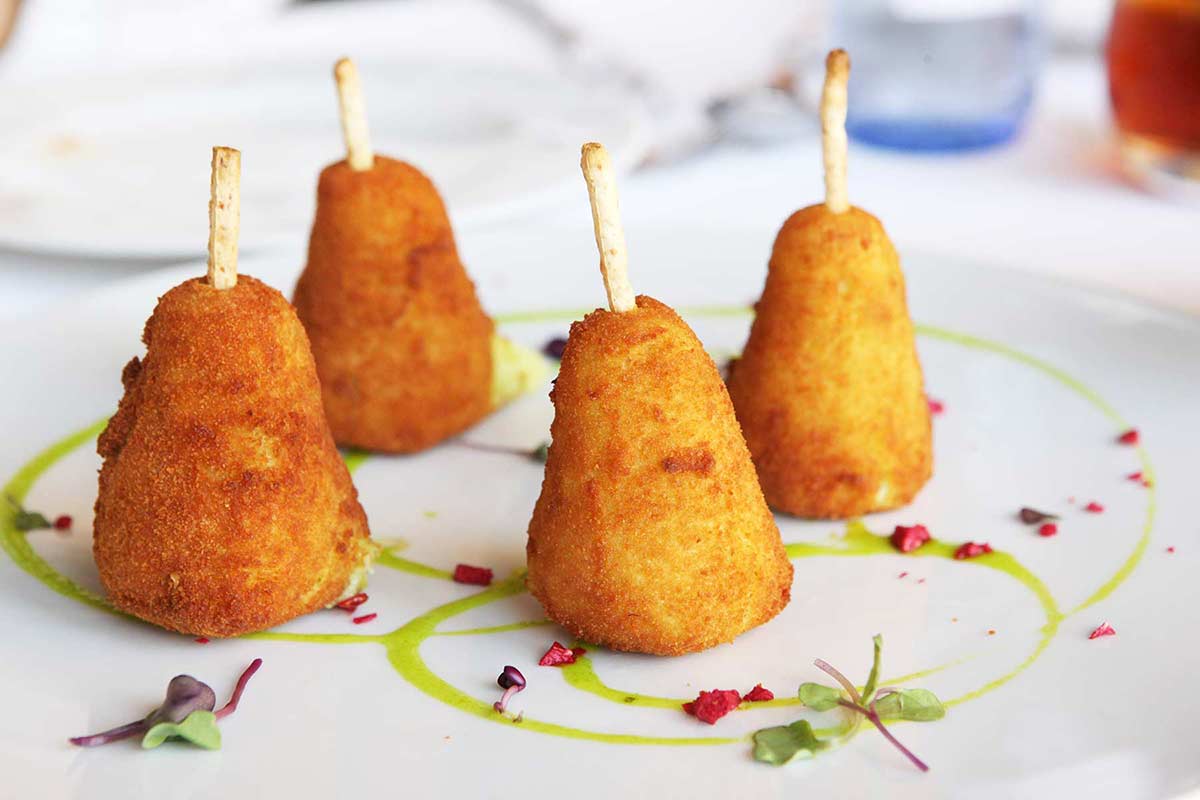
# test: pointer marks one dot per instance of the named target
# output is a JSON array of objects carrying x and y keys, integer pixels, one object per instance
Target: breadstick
[
  {"x": 353, "y": 113},
  {"x": 224, "y": 211},
  {"x": 833, "y": 130},
  {"x": 606, "y": 218}
]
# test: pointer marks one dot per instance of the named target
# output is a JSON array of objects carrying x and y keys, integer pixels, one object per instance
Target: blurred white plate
[
  {"x": 112, "y": 165},
  {"x": 1037, "y": 380}
]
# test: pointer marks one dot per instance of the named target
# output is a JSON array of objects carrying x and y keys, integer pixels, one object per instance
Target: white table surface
[{"x": 1054, "y": 202}]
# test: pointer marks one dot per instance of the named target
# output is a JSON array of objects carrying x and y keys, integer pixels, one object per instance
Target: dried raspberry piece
[
  {"x": 1049, "y": 529},
  {"x": 758, "y": 695},
  {"x": 1171, "y": 549},
  {"x": 558, "y": 655},
  {"x": 1130, "y": 436},
  {"x": 972, "y": 549},
  {"x": 364, "y": 618},
  {"x": 62, "y": 522},
  {"x": 1094, "y": 508},
  {"x": 711, "y": 706},
  {"x": 1104, "y": 629},
  {"x": 935, "y": 406},
  {"x": 477, "y": 576},
  {"x": 907, "y": 538},
  {"x": 353, "y": 602},
  {"x": 201, "y": 640}
]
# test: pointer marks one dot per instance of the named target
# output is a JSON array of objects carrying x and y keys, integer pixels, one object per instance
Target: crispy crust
[
  {"x": 829, "y": 390},
  {"x": 651, "y": 533},
  {"x": 402, "y": 346},
  {"x": 224, "y": 506}
]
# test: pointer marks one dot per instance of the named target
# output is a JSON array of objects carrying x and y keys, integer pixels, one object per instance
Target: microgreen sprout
[
  {"x": 781, "y": 744},
  {"x": 25, "y": 520},
  {"x": 537, "y": 454},
  {"x": 1031, "y": 516},
  {"x": 511, "y": 681},
  {"x": 186, "y": 712}
]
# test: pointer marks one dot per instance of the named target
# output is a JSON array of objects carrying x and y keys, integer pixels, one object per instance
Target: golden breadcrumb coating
[
  {"x": 402, "y": 346},
  {"x": 651, "y": 534},
  {"x": 224, "y": 506},
  {"x": 829, "y": 390}
]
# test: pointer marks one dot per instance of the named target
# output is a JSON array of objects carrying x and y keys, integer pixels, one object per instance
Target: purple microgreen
[
  {"x": 780, "y": 744},
  {"x": 186, "y": 712},
  {"x": 1031, "y": 516},
  {"x": 240, "y": 687},
  {"x": 555, "y": 347},
  {"x": 511, "y": 681}
]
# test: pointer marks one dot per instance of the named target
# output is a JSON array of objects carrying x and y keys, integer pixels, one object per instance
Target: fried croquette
[
  {"x": 829, "y": 390},
  {"x": 651, "y": 534},
  {"x": 402, "y": 345},
  {"x": 224, "y": 506}
]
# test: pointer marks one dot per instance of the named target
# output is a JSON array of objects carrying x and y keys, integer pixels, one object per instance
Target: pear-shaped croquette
[
  {"x": 829, "y": 390},
  {"x": 402, "y": 345},
  {"x": 224, "y": 506},
  {"x": 651, "y": 534}
]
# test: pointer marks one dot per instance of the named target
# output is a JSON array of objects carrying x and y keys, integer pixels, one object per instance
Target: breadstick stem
[
  {"x": 224, "y": 212},
  {"x": 606, "y": 218},
  {"x": 353, "y": 113},
  {"x": 833, "y": 130}
]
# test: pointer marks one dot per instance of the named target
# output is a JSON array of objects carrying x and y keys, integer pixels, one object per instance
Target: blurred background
[{"x": 1058, "y": 137}]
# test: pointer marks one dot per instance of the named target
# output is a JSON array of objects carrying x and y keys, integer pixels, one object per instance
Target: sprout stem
[
  {"x": 114, "y": 735},
  {"x": 232, "y": 705}
]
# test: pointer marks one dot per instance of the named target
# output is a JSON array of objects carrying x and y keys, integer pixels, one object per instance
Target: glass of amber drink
[{"x": 1154, "y": 82}]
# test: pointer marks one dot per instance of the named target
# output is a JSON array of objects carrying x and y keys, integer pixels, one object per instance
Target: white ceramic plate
[
  {"x": 1037, "y": 380},
  {"x": 124, "y": 157}
]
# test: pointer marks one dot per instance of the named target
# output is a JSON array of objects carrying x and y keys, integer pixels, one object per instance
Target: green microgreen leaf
[
  {"x": 818, "y": 697},
  {"x": 915, "y": 705},
  {"x": 540, "y": 453},
  {"x": 873, "y": 678},
  {"x": 25, "y": 520},
  {"x": 199, "y": 728},
  {"x": 781, "y": 744}
]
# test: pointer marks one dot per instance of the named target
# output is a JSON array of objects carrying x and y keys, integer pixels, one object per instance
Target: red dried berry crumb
[
  {"x": 353, "y": 602},
  {"x": 972, "y": 549},
  {"x": 1049, "y": 529},
  {"x": 477, "y": 576},
  {"x": 907, "y": 538},
  {"x": 62, "y": 522},
  {"x": 1171, "y": 549},
  {"x": 935, "y": 406},
  {"x": 1104, "y": 629},
  {"x": 558, "y": 655},
  {"x": 1130, "y": 436},
  {"x": 364, "y": 618},
  {"x": 758, "y": 695},
  {"x": 1094, "y": 508},
  {"x": 920, "y": 580},
  {"x": 201, "y": 640},
  {"x": 902, "y": 575},
  {"x": 711, "y": 706}
]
